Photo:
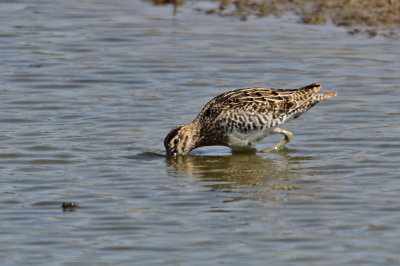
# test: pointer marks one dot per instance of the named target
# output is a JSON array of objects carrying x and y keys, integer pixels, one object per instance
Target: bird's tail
[
  {"x": 309, "y": 96},
  {"x": 312, "y": 92},
  {"x": 329, "y": 95}
]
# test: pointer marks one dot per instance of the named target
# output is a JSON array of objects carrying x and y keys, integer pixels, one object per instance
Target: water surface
[{"x": 89, "y": 89}]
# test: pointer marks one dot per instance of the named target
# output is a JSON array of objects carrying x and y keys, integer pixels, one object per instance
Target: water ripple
[{"x": 90, "y": 90}]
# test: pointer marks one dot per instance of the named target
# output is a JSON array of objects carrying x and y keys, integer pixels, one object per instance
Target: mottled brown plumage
[{"x": 240, "y": 118}]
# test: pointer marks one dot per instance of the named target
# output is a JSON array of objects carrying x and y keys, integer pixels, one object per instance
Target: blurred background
[{"x": 89, "y": 90}]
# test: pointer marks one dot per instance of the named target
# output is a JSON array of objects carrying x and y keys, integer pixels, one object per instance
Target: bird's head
[{"x": 180, "y": 140}]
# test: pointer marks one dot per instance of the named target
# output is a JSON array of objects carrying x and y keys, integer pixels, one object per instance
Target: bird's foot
[{"x": 288, "y": 137}]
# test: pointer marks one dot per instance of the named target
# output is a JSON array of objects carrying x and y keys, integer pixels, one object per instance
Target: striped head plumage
[{"x": 181, "y": 140}]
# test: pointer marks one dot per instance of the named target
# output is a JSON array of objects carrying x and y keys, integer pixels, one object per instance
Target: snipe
[{"x": 240, "y": 118}]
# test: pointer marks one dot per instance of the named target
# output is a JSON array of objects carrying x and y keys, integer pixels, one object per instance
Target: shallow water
[{"x": 89, "y": 89}]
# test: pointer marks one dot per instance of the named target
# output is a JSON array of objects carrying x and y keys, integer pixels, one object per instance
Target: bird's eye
[{"x": 176, "y": 141}]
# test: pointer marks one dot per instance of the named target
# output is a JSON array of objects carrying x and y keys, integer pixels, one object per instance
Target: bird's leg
[{"x": 288, "y": 137}]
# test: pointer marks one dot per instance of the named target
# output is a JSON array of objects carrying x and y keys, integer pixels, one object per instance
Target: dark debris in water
[{"x": 69, "y": 206}]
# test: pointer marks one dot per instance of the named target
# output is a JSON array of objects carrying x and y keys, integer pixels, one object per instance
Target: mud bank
[{"x": 359, "y": 16}]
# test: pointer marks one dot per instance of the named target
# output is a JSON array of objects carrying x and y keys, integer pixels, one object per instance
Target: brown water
[{"x": 89, "y": 89}]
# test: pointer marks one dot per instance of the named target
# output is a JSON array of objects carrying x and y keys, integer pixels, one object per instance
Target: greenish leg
[{"x": 288, "y": 137}]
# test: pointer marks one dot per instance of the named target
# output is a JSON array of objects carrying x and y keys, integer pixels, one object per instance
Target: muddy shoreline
[{"x": 358, "y": 16}]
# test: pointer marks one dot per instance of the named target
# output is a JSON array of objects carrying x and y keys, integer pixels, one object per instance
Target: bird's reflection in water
[{"x": 251, "y": 175}]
